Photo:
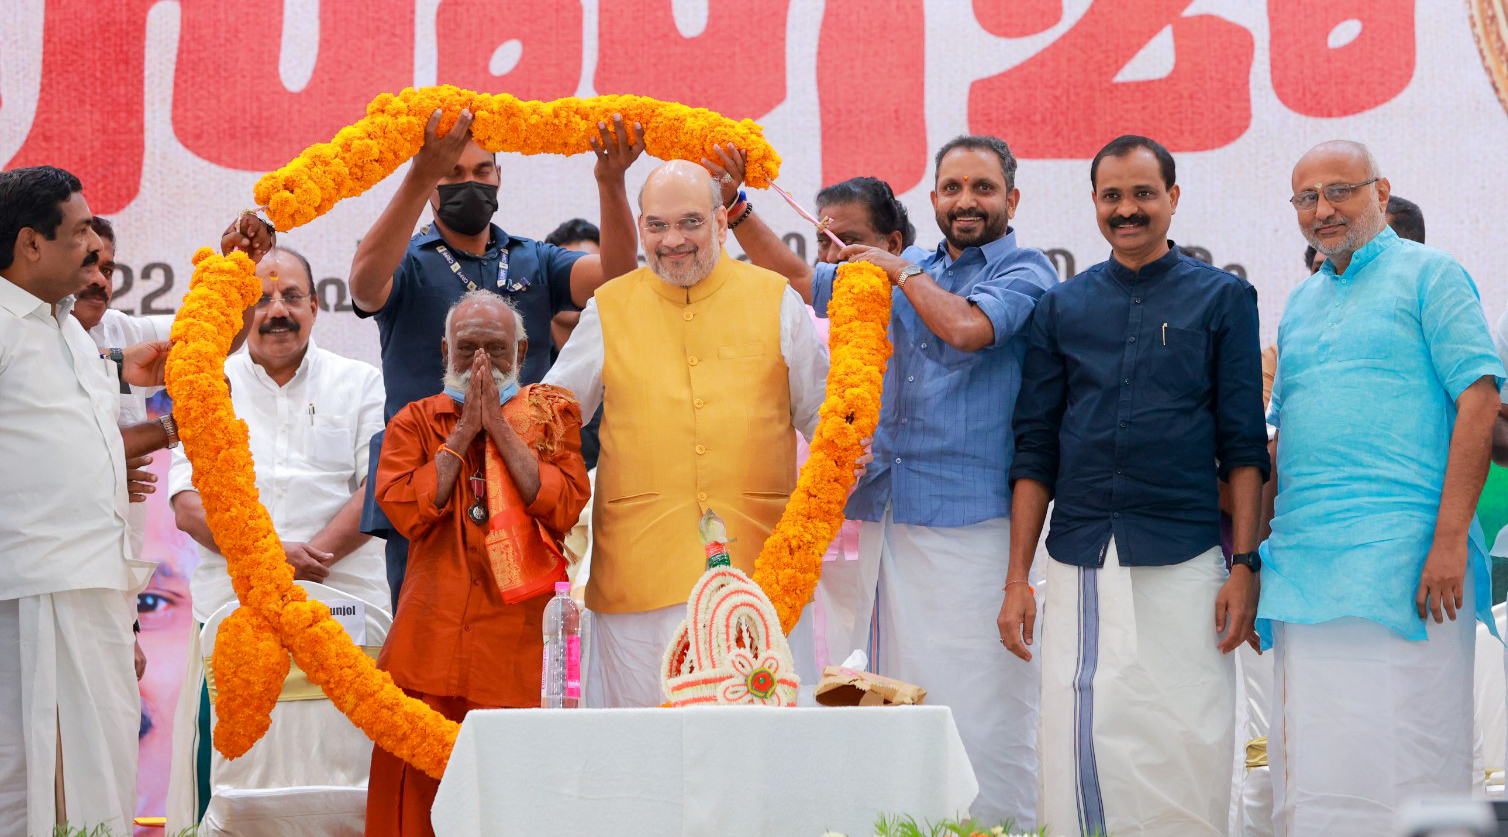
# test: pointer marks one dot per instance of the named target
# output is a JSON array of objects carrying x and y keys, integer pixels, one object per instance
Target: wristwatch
[
  {"x": 1250, "y": 559},
  {"x": 171, "y": 428},
  {"x": 907, "y": 272}
]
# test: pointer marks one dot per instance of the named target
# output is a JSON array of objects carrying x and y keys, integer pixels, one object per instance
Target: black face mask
[{"x": 467, "y": 207}]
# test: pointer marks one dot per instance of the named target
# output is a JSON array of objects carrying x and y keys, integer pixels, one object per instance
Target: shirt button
[
  {"x": 910, "y": 378},
  {"x": 476, "y": 582},
  {"x": 1115, "y": 514},
  {"x": 1133, "y": 340},
  {"x": 698, "y": 403},
  {"x": 1126, "y": 382},
  {"x": 687, "y": 315},
  {"x": 701, "y": 496},
  {"x": 904, "y": 420},
  {"x": 897, "y": 460},
  {"x": 924, "y": 345},
  {"x": 692, "y": 360},
  {"x": 1119, "y": 471},
  {"x": 701, "y": 449},
  {"x": 1123, "y": 424},
  {"x": 1136, "y": 299},
  {"x": 467, "y": 629}
]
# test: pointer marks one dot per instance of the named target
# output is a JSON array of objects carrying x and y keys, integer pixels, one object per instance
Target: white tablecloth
[{"x": 723, "y": 771}]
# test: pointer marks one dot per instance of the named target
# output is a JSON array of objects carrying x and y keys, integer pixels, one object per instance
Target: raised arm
[
  {"x": 381, "y": 250},
  {"x": 760, "y": 243},
  {"x": 617, "y": 149}
]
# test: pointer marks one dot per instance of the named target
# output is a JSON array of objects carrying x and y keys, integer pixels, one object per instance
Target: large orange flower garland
[
  {"x": 364, "y": 153},
  {"x": 791, "y": 560},
  {"x": 248, "y": 662}
]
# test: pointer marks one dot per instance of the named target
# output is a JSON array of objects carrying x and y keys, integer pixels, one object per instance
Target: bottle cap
[{"x": 562, "y": 587}]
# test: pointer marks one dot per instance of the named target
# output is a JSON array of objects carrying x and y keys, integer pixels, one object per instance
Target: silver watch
[{"x": 907, "y": 272}]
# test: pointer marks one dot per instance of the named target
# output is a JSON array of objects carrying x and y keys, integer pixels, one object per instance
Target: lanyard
[{"x": 512, "y": 286}]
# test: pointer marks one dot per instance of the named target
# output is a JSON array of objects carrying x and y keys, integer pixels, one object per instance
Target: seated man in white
[{"x": 310, "y": 414}]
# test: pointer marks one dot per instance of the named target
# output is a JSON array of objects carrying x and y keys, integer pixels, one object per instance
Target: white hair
[{"x": 484, "y": 295}]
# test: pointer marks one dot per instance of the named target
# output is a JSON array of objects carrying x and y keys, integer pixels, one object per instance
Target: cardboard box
[{"x": 851, "y": 687}]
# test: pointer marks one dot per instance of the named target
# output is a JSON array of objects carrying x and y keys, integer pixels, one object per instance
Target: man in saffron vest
[
  {"x": 704, "y": 366},
  {"x": 484, "y": 480}
]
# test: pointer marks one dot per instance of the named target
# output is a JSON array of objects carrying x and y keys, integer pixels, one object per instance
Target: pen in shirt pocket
[
  {"x": 311, "y": 413},
  {"x": 1164, "y": 342}
]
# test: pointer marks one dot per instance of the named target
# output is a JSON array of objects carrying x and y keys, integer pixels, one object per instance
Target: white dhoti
[
  {"x": 1364, "y": 720},
  {"x": 1138, "y": 702},
  {"x": 1252, "y": 802},
  {"x": 939, "y": 595},
  {"x": 68, "y": 694},
  {"x": 627, "y": 650}
]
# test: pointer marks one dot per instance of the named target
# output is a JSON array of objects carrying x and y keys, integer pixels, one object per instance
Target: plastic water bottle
[{"x": 560, "y": 680}]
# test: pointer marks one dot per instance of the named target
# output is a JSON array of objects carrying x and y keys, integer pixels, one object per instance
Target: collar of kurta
[
  {"x": 1155, "y": 269},
  {"x": 305, "y": 366},
  {"x": 1362, "y": 257},
  {"x": 701, "y": 290}
]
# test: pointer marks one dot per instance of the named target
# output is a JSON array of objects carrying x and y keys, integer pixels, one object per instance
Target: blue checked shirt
[{"x": 944, "y": 443}]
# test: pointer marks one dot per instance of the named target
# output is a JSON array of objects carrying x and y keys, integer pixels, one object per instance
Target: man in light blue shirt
[
  {"x": 935, "y": 504},
  {"x": 1384, "y": 400}
]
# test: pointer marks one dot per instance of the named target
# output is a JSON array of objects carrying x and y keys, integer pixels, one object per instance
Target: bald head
[
  {"x": 684, "y": 223},
  {"x": 681, "y": 178},
  {"x": 1340, "y": 196}
]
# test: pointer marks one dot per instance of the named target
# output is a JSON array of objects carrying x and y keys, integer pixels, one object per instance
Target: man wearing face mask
[
  {"x": 408, "y": 285},
  {"x": 1142, "y": 390}
]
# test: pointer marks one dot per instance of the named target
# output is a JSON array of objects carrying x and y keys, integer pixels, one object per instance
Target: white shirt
[
  {"x": 579, "y": 367},
  {"x": 63, "y": 502},
  {"x": 118, "y": 330},
  {"x": 309, "y": 440}
]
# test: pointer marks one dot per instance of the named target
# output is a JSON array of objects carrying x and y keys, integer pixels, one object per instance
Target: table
[{"x": 711, "y": 771}]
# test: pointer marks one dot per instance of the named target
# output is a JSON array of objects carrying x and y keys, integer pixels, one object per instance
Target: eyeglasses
[
  {"x": 1334, "y": 193},
  {"x": 686, "y": 226},
  {"x": 289, "y": 300}
]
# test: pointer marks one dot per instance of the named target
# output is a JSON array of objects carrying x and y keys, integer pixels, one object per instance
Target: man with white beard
[
  {"x": 704, "y": 366},
  {"x": 1384, "y": 400}
]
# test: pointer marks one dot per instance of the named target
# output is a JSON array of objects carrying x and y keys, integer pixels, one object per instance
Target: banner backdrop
[{"x": 169, "y": 111}]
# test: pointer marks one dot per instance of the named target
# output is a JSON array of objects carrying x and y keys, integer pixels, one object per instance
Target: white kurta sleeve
[
  {"x": 180, "y": 474},
  {"x": 156, "y": 327},
  {"x": 372, "y": 397},
  {"x": 805, "y": 361},
  {"x": 579, "y": 367}
]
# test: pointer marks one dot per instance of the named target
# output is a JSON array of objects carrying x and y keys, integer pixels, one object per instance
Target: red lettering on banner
[
  {"x": 89, "y": 117},
  {"x": 1018, "y": 18},
  {"x": 1063, "y": 102},
  {"x": 735, "y": 66},
  {"x": 870, "y": 127},
  {"x": 1315, "y": 80},
  {"x": 549, "y": 67},
  {"x": 229, "y": 103}
]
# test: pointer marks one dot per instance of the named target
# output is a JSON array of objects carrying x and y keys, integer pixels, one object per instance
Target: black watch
[{"x": 1250, "y": 559}]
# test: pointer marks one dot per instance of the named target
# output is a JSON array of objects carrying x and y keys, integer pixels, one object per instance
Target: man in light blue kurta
[{"x": 1384, "y": 398}]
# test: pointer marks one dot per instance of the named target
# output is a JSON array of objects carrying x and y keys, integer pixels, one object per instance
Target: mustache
[
  {"x": 91, "y": 259},
  {"x": 93, "y": 292},
  {"x": 1140, "y": 219},
  {"x": 278, "y": 322}
]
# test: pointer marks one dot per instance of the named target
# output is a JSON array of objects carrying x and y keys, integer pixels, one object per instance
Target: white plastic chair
[{"x": 308, "y": 774}]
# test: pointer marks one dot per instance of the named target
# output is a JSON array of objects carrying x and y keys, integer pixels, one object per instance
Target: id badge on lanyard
[{"x": 505, "y": 284}]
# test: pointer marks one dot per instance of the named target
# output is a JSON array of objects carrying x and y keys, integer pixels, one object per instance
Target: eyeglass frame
[
  {"x": 1349, "y": 188},
  {"x": 290, "y": 300},
  {"x": 696, "y": 226}
]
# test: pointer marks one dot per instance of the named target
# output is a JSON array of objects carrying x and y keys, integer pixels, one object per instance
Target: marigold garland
[
  {"x": 248, "y": 663},
  {"x": 362, "y": 154},
  {"x": 791, "y": 560}
]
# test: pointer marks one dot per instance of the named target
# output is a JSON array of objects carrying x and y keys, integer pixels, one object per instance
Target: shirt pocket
[
  {"x": 1370, "y": 330},
  {"x": 1178, "y": 362},
  {"x": 741, "y": 350},
  {"x": 332, "y": 445}
]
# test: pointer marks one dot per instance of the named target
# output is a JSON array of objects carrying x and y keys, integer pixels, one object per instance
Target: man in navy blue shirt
[
  {"x": 408, "y": 285},
  {"x": 1142, "y": 389}
]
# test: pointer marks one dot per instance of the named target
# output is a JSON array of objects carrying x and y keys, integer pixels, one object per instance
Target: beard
[
  {"x": 461, "y": 381},
  {"x": 1368, "y": 223},
  {"x": 697, "y": 268},
  {"x": 991, "y": 228}
]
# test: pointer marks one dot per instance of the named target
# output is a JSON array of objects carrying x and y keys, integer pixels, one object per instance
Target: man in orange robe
[{"x": 484, "y": 493}]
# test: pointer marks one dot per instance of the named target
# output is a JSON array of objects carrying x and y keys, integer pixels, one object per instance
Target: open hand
[
  {"x": 861, "y": 465},
  {"x": 309, "y": 564},
  {"x": 728, "y": 169},
  {"x": 249, "y": 234},
  {"x": 146, "y": 363},
  {"x": 617, "y": 148},
  {"x": 139, "y": 481},
  {"x": 440, "y": 154},
  {"x": 1236, "y": 609},
  {"x": 884, "y": 259},
  {"x": 1018, "y": 619},
  {"x": 1441, "y": 592}
]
